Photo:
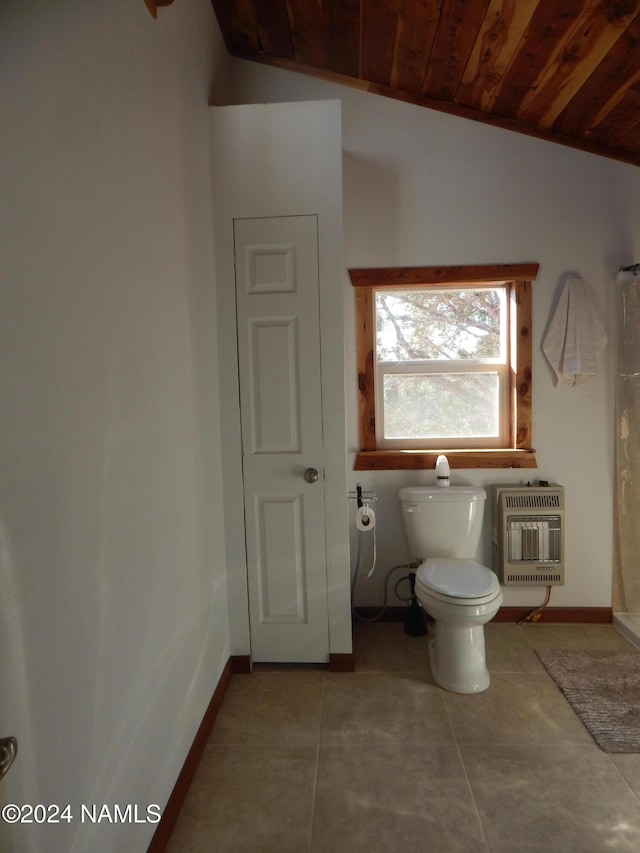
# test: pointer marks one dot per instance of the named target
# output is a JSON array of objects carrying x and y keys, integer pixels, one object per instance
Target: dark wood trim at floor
[
  {"x": 341, "y": 662},
  {"x": 588, "y": 615},
  {"x": 241, "y": 664},
  {"x": 176, "y": 800},
  {"x": 371, "y": 614},
  {"x": 338, "y": 662}
]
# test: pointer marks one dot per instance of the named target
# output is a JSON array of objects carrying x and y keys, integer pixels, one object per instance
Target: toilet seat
[{"x": 457, "y": 581}]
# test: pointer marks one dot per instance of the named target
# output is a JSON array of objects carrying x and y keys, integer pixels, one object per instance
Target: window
[
  {"x": 440, "y": 366},
  {"x": 444, "y": 365}
]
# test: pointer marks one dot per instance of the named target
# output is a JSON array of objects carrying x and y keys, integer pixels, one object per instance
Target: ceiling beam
[{"x": 459, "y": 110}]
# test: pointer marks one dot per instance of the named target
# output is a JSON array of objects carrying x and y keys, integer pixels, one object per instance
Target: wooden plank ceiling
[{"x": 564, "y": 70}]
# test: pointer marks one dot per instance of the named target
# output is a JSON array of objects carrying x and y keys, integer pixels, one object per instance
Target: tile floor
[{"x": 384, "y": 760}]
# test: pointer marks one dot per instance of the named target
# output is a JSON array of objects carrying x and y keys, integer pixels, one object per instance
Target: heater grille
[
  {"x": 528, "y": 534},
  {"x": 532, "y": 500},
  {"x": 541, "y": 577}
]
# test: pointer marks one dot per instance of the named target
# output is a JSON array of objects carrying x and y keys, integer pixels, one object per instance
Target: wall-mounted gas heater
[{"x": 528, "y": 534}]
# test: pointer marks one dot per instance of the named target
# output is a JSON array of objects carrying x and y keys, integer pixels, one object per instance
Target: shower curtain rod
[{"x": 634, "y": 268}]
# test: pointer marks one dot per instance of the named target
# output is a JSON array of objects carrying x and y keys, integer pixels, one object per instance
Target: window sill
[{"x": 391, "y": 460}]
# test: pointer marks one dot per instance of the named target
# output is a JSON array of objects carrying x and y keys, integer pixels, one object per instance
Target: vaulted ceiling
[{"x": 563, "y": 70}]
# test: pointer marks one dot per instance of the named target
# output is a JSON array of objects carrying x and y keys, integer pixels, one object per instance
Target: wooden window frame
[{"x": 519, "y": 454}]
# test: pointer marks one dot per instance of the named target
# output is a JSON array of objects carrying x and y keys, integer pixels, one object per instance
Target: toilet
[{"x": 443, "y": 527}]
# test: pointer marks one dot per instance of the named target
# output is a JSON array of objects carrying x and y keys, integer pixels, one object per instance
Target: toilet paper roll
[{"x": 365, "y": 519}]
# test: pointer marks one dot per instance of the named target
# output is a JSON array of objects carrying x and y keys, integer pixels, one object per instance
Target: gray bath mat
[{"x": 603, "y": 689}]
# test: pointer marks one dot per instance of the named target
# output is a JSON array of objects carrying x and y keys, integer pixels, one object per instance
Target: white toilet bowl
[{"x": 461, "y": 595}]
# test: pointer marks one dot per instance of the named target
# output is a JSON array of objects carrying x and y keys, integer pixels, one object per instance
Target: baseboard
[
  {"x": 587, "y": 615},
  {"x": 391, "y": 614},
  {"x": 240, "y": 664},
  {"x": 594, "y": 615},
  {"x": 177, "y": 797},
  {"x": 341, "y": 662}
]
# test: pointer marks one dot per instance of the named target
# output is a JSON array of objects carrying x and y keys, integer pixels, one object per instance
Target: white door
[{"x": 281, "y": 412}]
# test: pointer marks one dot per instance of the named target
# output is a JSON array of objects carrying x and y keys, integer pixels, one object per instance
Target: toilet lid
[{"x": 457, "y": 578}]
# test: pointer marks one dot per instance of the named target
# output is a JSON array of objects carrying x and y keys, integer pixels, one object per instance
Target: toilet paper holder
[
  {"x": 362, "y": 498},
  {"x": 365, "y": 518}
]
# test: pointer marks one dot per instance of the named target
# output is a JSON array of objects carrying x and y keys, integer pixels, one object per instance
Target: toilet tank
[{"x": 442, "y": 522}]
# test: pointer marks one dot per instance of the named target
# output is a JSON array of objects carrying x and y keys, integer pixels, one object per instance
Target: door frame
[{"x": 293, "y": 153}]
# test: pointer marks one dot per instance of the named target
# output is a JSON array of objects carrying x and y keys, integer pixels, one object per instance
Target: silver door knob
[{"x": 311, "y": 475}]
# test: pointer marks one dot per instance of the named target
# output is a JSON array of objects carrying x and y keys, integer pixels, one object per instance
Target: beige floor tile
[
  {"x": 380, "y": 798},
  {"x": 271, "y": 707},
  {"x": 301, "y": 759},
  {"x": 552, "y": 799},
  {"x": 384, "y": 647},
  {"x": 525, "y": 708},
  {"x": 508, "y": 650},
  {"x": 629, "y": 766},
  {"x": 248, "y": 799},
  {"x": 370, "y": 708},
  {"x": 596, "y": 637}
]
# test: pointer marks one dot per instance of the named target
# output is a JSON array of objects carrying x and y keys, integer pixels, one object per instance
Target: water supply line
[
  {"x": 363, "y": 499},
  {"x": 357, "y": 616},
  {"x": 535, "y": 615}
]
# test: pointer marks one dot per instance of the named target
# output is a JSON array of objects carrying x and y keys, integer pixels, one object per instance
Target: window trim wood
[{"x": 519, "y": 276}]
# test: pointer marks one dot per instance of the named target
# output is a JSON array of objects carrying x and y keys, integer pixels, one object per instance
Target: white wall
[
  {"x": 113, "y": 611},
  {"x": 425, "y": 188}
]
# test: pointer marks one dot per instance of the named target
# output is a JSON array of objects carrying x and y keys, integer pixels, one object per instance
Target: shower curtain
[{"x": 627, "y": 449}]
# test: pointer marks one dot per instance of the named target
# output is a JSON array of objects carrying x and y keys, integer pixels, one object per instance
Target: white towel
[{"x": 575, "y": 336}]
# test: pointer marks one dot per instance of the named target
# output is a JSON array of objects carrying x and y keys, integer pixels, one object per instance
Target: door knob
[
  {"x": 311, "y": 475},
  {"x": 8, "y": 750}
]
